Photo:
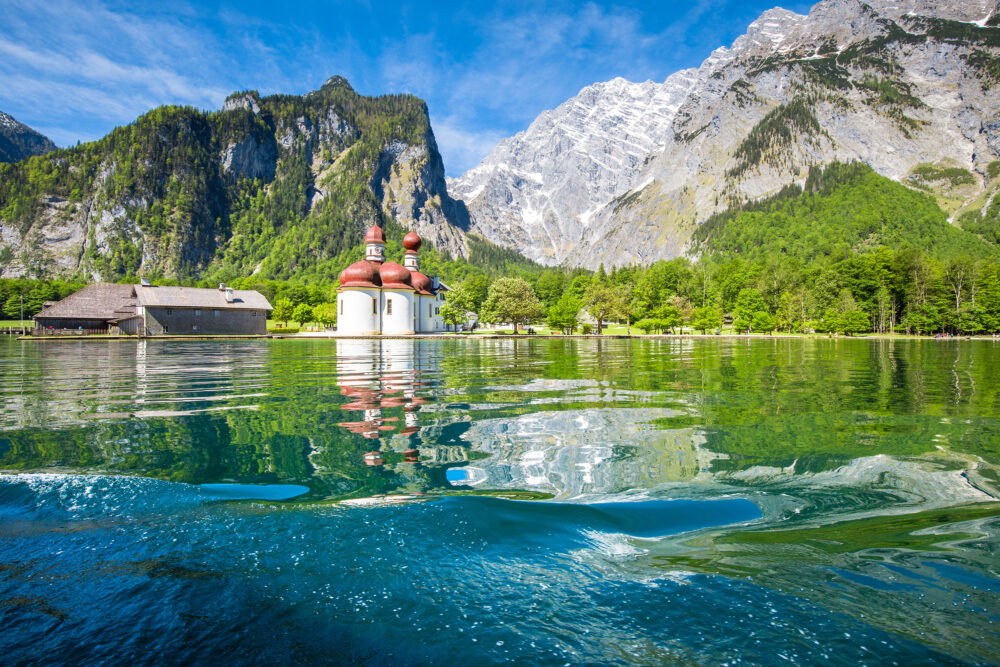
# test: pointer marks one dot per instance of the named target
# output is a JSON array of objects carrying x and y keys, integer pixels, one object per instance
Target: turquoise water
[{"x": 544, "y": 502}]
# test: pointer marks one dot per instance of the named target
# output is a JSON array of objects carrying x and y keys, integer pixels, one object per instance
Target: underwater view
[{"x": 551, "y": 502}]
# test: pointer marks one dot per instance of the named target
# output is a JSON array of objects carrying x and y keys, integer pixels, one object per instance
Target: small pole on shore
[{"x": 21, "y": 296}]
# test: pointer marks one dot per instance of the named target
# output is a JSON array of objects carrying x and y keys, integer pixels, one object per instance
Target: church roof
[
  {"x": 361, "y": 274},
  {"x": 374, "y": 235}
]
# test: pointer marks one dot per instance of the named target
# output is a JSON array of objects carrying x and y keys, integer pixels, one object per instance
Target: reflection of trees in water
[{"x": 309, "y": 410}]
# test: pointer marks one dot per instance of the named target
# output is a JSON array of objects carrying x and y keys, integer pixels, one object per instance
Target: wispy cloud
[{"x": 79, "y": 67}]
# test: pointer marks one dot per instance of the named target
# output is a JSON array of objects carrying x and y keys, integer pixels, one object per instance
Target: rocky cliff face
[
  {"x": 18, "y": 141},
  {"x": 537, "y": 190},
  {"x": 901, "y": 86},
  {"x": 276, "y": 185}
]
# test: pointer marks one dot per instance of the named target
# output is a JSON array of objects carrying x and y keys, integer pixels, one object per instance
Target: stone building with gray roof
[{"x": 156, "y": 310}]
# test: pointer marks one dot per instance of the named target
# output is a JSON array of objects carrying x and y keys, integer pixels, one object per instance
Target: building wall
[
  {"x": 397, "y": 312},
  {"x": 69, "y": 323},
  {"x": 355, "y": 313},
  {"x": 202, "y": 321}
]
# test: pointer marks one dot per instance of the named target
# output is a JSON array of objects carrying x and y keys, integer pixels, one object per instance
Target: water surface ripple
[{"x": 534, "y": 501}]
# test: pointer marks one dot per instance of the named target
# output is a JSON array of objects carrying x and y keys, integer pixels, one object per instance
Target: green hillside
[
  {"x": 280, "y": 187},
  {"x": 843, "y": 209}
]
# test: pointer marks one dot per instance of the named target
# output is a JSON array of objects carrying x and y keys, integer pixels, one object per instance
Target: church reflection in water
[
  {"x": 385, "y": 383},
  {"x": 515, "y": 437}
]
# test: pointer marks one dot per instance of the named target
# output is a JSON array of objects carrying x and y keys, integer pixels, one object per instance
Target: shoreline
[{"x": 498, "y": 336}]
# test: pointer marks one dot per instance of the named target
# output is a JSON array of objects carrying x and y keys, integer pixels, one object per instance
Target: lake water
[{"x": 717, "y": 501}]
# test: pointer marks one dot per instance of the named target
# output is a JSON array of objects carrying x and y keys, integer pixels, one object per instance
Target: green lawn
[{"x": 15, "y": 323}]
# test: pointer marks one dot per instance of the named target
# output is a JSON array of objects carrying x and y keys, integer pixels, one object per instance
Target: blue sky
[{"x": 75, "y": 70}]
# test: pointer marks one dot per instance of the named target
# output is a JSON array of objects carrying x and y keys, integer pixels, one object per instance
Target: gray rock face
[
  {"x": 250, "y": 159},
  {"x": 18, "y": 141},
  {"x": 537, "y": 190},
  {"x": 821, "y": 75}
]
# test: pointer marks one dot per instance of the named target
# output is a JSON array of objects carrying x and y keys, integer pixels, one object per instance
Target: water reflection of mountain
[{"x": 582, "y": 452}]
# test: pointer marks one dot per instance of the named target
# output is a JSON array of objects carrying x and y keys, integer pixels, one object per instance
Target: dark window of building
[
  {"x": 429, "y": 306},
  {"x": 437, "y": 311},
  {"x": 215, "y": 312},
  {"x": 166, "y": 329},
  {"x": 194, "y": 327},
  {"x": 197, "y": 313},
  {"x": 388, "y": 306},
  {"x": 374, "y": 306},
  {"x": 341, "y": 307},
  {"x": 170, "y": 311}
]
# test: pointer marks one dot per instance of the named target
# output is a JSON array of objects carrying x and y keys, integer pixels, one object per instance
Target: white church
[{"x": 379, "y": 297}]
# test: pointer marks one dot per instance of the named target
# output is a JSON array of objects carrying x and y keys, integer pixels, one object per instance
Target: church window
[
  {"x": 374, "y": 306},
  {"x": 341, "y": 306},
  {"x": 388, "y": 306}
]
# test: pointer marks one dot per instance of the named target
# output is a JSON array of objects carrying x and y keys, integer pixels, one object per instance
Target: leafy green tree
[
  {"x": 855, "y": 321},
  {"x": 550, "y": 287},
  {"x": 763, "y": 321},
  {"x": 37, "y": 297},
  {"x": 705, "y": 318},
  {"x": 12, "y": 306},
  {"x": 325, "y": 314},
  {"x": 453, "y": 313},
  {"x": 475, "y": 289},
  {"x": 283, "y": 311},
  {"x": 512, "y": 300},
  {"x": 604, "y": 302},
  {"x": 303, "y": 313},
  {"x": 749, "y": 302},
  {"x": 563, "y": 314}
]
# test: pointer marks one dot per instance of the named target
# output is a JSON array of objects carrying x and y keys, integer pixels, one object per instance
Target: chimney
[{"x": 229, "y": 293}]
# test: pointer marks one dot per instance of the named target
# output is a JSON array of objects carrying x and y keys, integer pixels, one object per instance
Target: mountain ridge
[
  {"x": 275, "y": 185},
  {"x": 897, "y": 85},
  {"x": 18, "y": 141}
]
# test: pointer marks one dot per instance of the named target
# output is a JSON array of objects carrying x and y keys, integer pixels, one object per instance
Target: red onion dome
[
  {"x": 412, "y": 241},
  {"x": 421, "y": 283},
  {"x": 374, "y": 235},
  {"x": 361, "y": 274},
  {"x": 395, "y": 276}
]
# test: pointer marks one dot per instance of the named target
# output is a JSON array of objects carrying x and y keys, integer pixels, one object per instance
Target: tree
[
  {"x": 512, "y": 300},
  {"x": 325, "y": 314},
  {"x": 452, "y": 313},
  {"x": 604, "y": 302},
  {"x": 706, "y": 317},
  {"x": 303, "y": 313},
  {"x": 550, "y": 287},
  {"x": 563, "y": 314},
  {"x": 763, "y": 321},
  {"x": 475, "y": 289},
  {"x": 37, "y": 297},
  {"x": 283, "y": 311},
  {"x": 748, "y": 303},
  {"x": 854, "y": 321},
  {"x": 12, "y": 306}
]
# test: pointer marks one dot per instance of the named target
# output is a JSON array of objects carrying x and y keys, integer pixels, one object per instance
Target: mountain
[
  {"x": 908, "y": 87},
  {"x": 277, "y": 186},
  {"x": 18, "y": 141},
  {"x": 536, "y": 190}
]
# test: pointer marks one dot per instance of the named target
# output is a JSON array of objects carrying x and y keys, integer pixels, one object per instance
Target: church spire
[{"x": 375, "y": 244}]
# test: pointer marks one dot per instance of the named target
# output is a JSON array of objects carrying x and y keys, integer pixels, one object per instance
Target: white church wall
[
  {"x": 397, "y": 312},
  {"x": 359, "y": 311}
]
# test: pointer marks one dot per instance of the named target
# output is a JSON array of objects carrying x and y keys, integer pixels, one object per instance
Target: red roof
[
  {"x": 412, "y": 241},
  {"x": 421, "y": 283},
  {"x": 374, "y": 235},
  {"x": 395, "y": 276},
  {"x": 361, "y": 274}
]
